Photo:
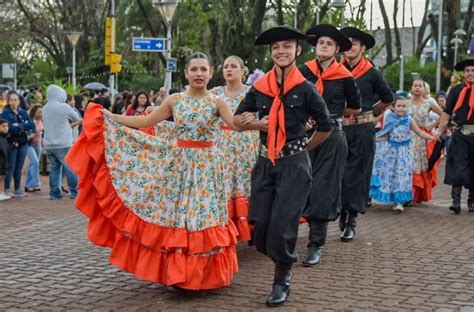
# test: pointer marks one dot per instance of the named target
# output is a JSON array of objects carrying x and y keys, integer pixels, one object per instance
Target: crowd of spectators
[{"x": 37, "y": 129}]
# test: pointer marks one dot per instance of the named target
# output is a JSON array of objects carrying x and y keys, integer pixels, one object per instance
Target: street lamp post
[
  {"x": 402, "y": 57},
  {"x": 339, "y": 4},
  {"x": 68, "y": 71},
  {"x": 456, "y": 40},
  {"x": 167, "y": 9},
  {"x": 415, "y": 76},
  {"x": 15, "y": 54},
  {"x": 73, "y": 39}
]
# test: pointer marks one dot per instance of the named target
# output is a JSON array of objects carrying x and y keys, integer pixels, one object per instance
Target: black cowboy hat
[
  {"x": 315, "y": 32},
  {"x": 365, "y": 38},
  {"x": 463, "y": 64},
  {"x": 279, "y": 33}
]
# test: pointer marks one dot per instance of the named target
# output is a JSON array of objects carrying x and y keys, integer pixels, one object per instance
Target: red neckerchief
[
  {"x": 361, "y": 68},
  {"x": 268, "y": 85},
  {"x": 335, "y": 71},
  {"x": 462, "y": 95}
]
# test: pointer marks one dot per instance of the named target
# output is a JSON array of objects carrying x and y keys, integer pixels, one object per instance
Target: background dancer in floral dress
[
  {"x": 239, "y": 148},
  {"x": 419, "y": 109}
]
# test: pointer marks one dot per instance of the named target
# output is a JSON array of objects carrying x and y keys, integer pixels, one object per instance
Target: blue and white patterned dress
[{"x": 392, "y": 175}]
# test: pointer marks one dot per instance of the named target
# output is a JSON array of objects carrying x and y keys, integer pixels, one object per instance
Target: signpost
[
  {"x": 8, "y": 70},
  {"x": 149, "y": 44},
  {"x": 172, "y": 65}
]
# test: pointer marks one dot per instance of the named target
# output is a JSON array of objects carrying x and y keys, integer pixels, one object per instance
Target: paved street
[{"x": 422, "y": 259}]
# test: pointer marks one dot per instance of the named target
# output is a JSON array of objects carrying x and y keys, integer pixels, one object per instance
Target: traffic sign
[
  {"x": 172, "y": 64},
  {"x": 149, "y": 44}
]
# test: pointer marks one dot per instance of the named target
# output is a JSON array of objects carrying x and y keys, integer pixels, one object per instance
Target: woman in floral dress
[
  {"x": 239, "y": 148},
  {"x": 160, "y": 205},
  {"x": 419, "y": 109}
]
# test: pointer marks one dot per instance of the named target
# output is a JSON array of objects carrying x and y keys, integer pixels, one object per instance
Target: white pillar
[
  {"x": 440, "y": 46},
  {"x": 168, "y": 77},
  {"x": 15, "y": 77},
  {"x": 74, "y": 67},
  {"x": 402, "y": 57}
]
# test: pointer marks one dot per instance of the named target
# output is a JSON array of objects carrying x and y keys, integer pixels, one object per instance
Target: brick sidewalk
[{"x": 422, "y": 259}]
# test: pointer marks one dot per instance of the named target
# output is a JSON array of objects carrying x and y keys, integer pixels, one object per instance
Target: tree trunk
[
  {"x": 422, "y": 39},
  {"x": 454, "y": 16},
  {"x": 398, "y": 44},
  {"x": 388, "y": 35},
  {"x": 161, "y": 28}
]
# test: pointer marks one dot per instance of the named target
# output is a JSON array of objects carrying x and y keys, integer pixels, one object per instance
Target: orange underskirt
[
  {"x": 238, "y": 212},
  {"x": 424, "y": 182}
]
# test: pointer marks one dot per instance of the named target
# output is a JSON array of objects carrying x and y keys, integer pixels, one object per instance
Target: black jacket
[
  {"x": 301, "y": 102},
  {"x": 4, "y": 154}
]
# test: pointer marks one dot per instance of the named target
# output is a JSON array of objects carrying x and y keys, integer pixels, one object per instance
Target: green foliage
[
  {"x": 412, "y": 65},
  {"x": 44, "y": 67}
]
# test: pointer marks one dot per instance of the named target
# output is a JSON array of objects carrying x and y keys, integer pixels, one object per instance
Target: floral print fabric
[
  {"x": 393, "y": 167},
  {"x": 165, "y": 184},
  {"x": 421, "y": 115},
  {"x": 239, "y": 150}
]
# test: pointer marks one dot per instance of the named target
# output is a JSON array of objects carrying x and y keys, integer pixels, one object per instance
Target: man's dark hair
[
  {"x": 174, "y": 90},
  {"x": 3, "y": 121},
  {"x": 104, "y": 91}
]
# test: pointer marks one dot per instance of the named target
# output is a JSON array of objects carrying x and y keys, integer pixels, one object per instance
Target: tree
[
  {"x": 388, "y": 35},
  {"x": 423, "y": 40}
]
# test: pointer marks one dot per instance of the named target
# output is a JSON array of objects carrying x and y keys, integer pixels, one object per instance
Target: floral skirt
[
  {"x": 161, "y": 209},
  {"x": 391, "y": 180},
  {"x": 240, "y": 150}
]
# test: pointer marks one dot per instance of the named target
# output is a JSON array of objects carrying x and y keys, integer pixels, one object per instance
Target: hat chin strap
[
  {"x": 283, "y": 73},
  {"x": 327, "y": 59}
]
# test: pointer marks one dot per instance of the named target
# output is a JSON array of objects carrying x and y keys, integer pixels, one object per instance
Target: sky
[{"x": 418, "y": 9}]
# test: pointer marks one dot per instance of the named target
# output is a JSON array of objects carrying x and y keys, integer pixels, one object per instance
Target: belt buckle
[
  {"x": 467, "y": 131},
  {"x": 348, "y": 121}
]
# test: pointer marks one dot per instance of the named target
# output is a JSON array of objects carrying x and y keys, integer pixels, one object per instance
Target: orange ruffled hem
[
  {"x": 238, "y": 208},
  {"x": 204, "y": 259},
  {"x": 425, "y": 182},
  {"x": 422, "y": 187}
]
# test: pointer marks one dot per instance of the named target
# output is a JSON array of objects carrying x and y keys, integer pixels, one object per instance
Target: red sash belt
[
  {"x": 195, "y": 144},
  {"x": 227, "y": 128}
]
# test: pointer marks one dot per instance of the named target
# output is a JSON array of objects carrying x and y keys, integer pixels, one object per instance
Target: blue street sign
[
  {"x": 172, "y": 64},
  {"x": 149, "y": 44}
]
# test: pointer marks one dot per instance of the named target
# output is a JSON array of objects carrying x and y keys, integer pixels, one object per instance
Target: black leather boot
[
  {"x": 281, "y": 285},
  {"x": 470, "y": 201},
  {"x": 349, "y": 231},
  {"x": 313, "y": 257},
  {"x": 342, "y": 220},
  {"x": 456, "y": 196},
  {"x": 318, "y": 231}
]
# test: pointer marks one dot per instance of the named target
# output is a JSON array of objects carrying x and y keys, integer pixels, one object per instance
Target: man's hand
[
  {"x": 248, "y": 118},
  {"x": 309, "y": 124},
  {"x": 263, "y": 124}
]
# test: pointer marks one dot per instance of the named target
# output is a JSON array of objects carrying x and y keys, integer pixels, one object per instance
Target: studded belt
[
  {"x": 289, "y": 149},
  {"x": 467, "y": 129},
  {"x": 337, "y": 123},
  {"x": 362, "y": 118}
]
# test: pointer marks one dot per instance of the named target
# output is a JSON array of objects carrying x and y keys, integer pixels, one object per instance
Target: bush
[{"x": 427, "y": 72}]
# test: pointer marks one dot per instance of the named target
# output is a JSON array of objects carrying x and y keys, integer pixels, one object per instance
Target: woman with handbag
[{"x": 21, "y": 127}]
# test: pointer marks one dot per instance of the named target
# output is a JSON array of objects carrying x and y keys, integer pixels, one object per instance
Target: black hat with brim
[
  {"x": 365, "y": 38},
  {"x": 279, "y": 33},
  {"x": 315, "y": 32},
  {"x": 463, "y": 64}
]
